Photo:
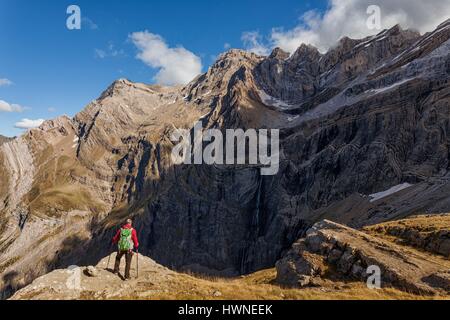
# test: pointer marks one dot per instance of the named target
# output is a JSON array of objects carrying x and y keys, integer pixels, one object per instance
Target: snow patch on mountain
[
  {"x": 392, "y": 86},
  {"x": 379, "y": 195},
  {"x": 274, "y": 102}
]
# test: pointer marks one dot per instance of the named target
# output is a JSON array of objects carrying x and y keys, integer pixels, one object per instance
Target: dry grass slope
[
  {"x": 156, "y": 282},
  {"x": 429, "y": 233},
  {"x": 261, "y": 286}
]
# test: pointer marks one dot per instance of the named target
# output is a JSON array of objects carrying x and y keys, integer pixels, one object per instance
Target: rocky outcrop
[
  {"x": 350, "y": 253},
  {"x": 99, "y": 283},
  {"x": 430, "y": 233},
  {"x": 300, "y": 267}
]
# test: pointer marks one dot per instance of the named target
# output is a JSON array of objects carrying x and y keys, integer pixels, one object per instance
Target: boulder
[
  {"x": 299, "y": 267},
  {"x": 91, "y": 271}
]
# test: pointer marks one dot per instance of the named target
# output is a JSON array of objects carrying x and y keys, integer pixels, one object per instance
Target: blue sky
[{"x": 56, "y": 71}]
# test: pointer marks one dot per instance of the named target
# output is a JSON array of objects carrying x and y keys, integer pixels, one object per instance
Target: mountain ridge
[{"x": 4, "y": 139}]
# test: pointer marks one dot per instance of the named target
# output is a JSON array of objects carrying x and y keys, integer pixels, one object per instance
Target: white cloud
[
  {"x": 349, "y": 18},
  {"x": 51, "y": 109},
  {"x": 110, "y": 51},
  {"x": 5, "y": 82},
  {"x": 226, "y": 46},
  {"x": 28, "y": 123},
  {"x": 176, "y": 65},
  {"x": 10, "y": 107},
  {"x": 99, "y": 53},
  {"x": 85, "y": 21},
  {"x": 252, "y": 43}
]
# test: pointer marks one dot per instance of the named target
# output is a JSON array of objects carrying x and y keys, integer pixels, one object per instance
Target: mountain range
[{"x": 364, "y": 134}]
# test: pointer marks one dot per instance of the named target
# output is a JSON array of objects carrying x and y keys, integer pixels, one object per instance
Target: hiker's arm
[
  {"x": 116, "y": 237},
  {"x": 134, "y": 238}
]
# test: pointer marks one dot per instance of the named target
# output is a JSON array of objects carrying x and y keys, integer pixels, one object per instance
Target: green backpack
[{"x": 125, "y": 243}]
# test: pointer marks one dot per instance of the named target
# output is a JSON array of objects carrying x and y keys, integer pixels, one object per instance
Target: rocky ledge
[
  {"x": 426, "y": 232},
  {"x": 333, "y": 248}
]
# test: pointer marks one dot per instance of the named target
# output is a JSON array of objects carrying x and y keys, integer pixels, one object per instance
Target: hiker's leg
[
  {"x": 117, "y": 264},
  {"x": 128, "y": 257}
]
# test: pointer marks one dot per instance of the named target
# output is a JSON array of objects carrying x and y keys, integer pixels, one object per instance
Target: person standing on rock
[{"x": 126, "y": 240}]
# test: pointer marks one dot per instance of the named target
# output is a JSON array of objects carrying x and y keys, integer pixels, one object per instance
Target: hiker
[{"x": 127, "y": 240}]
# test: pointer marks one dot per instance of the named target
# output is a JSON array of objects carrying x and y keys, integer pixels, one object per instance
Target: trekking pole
[
  {"x": 137, "y": 263},
  {"x": 109, "y": 258}
]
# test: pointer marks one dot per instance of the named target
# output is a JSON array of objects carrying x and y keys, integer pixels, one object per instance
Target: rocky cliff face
[{"x": 366, "y": 116}]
